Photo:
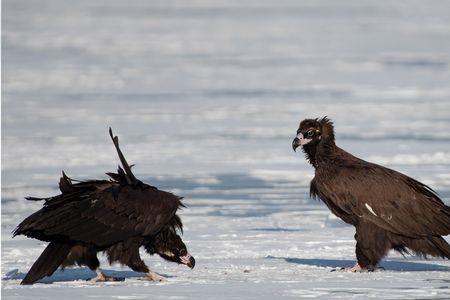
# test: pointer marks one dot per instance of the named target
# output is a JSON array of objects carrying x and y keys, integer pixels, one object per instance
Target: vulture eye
[{"x": 310, "y": 133}]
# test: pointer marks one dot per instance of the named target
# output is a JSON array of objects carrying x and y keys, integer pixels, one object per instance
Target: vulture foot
[
  {"x": 358, "y": 269},
  {"x": 103, "y": 278},
  {"x": 152, "y": 276}
]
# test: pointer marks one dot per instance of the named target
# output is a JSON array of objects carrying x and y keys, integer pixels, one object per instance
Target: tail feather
[
  {"x": 47, "y": 263},
  {"x": 65, "y": 184},
  {"x": 435, "y": 246},
  {"x": 129, "y": 176},
  {"x": 442, "y": 246}
]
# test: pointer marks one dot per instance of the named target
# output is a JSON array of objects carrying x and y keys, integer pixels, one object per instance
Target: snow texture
[{"x": 206, "y": 98}]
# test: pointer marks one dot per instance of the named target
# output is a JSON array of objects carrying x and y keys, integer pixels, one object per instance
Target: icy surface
[{"x": 206, "y": 98}]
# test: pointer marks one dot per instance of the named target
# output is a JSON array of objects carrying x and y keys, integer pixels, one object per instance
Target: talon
[
  {"x": 106, "y": 279},
  {"x": 103, "y": 278},
  {"x": 152, "y": 276},
  {"x": 354, "y": 269},
  {"x": 358, "y": 269}
]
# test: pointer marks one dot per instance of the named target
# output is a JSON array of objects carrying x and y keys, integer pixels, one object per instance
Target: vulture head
[
  {"x": 308, "y": 132},
  {"x": 311, "y": 133},
  {"x": 168, "y": 245}
]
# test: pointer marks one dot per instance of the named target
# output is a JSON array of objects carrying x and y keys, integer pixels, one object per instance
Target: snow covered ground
[{"x": 206, "y": 98}]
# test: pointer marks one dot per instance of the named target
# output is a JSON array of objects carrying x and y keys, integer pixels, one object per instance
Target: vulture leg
[
  {"x": 372, "y": 244},
  {"x": 128, "y": 254},
  {"x": 100, "y": 277},
  {"x": 82, "y": 256},
  {"x": 85, "y": 256},
  {"x": 355, "y": 269},
  {"x": 152, "y": 276},
  {"x": 138, "y": 265}
]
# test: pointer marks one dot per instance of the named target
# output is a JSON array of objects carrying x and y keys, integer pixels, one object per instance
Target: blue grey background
[{"x": 206, "y": 97}]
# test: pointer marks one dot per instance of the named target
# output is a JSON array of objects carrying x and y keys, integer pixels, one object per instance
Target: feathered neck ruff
[{"x": 320, "y": 150}]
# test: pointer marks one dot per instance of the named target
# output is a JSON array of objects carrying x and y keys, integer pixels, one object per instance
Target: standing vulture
[
  {"x": 116, "y": 216},
  {"x": 389, "y": 209}
]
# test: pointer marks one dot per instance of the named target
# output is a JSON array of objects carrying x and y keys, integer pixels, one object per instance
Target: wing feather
[
  {"x": 102, "y": 216},
  {"x": 390, "y": 200}
]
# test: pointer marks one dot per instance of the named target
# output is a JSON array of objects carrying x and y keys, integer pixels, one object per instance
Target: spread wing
[
  {"x": 101, "y": 213},
  {"x": 390, "y": 200}
]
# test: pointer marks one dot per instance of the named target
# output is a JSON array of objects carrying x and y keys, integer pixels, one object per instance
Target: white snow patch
[
  {"x": 200, "y": 104},
  {"x": 437, "y": 158}
]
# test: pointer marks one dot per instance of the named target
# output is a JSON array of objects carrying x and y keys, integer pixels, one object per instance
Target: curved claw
[
  {"x": 357, "y": 269},
  {"x": 103, "y": 278},
  {"x": 152, "y": 276}
]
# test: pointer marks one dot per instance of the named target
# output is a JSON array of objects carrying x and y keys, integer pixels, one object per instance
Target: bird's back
[
  {"x": 60, "y": 208},
  {"x": 386, "y": 197}
]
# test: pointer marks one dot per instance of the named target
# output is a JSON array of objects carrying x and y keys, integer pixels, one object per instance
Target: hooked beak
[
  {"x": 188, "y": 260},
  {"x": 295, "y": 143},
  {"x": 299, "y": 141}
]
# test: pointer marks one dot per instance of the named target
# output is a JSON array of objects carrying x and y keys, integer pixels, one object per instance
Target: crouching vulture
[
  {"x": 389, "y": 209},
  {"x": 116, "y": 216}
]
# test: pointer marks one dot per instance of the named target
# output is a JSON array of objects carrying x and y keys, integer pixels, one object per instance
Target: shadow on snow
[
  {"x": 74, "y": 275},
  {"x": 388, "y": 265}
]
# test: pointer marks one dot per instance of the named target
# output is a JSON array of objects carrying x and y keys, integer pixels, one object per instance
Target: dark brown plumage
[
  {"x": 389, "y": 209},
  {"x": 117, "y": 216}
]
